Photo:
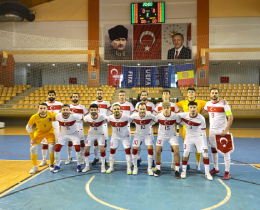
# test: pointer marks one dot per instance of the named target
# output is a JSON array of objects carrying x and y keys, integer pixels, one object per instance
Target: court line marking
[
  {"x": 33, "y": 176},
  {"x": 225, "y": 200},
  {"x": 255, "y": 166},
  {"x": 96, "y": 199}
]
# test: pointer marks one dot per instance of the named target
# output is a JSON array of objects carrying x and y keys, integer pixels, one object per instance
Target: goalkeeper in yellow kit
[
  {"x": 184, "y": 105},
  {"x": 44, "y": 129}
]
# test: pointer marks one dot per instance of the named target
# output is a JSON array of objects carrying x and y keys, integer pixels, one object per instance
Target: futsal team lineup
[{"x": 58, "y": 123}]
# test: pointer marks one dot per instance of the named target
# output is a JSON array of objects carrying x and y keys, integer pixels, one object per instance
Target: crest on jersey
[
  {"x": 50, "y": 119},
  {"x": 225, "y": 144}
]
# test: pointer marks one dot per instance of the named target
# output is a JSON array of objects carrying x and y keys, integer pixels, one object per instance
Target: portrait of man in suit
[{"x": 179, "y": 51}]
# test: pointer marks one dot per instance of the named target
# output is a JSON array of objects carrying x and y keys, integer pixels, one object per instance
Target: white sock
[
  {"x": 198, "y": 164},
  {"x": 78, "y": 156},
  {"x": 158, "y": 167},
  {"x": 215, "y": 160},
  {"x": 128, "y": 160},
  {"x": 82, "y": 151},
  {"x": 57, "y": 158},
  {"x": 177, "y": 168},
  {"x": 139, "y": 153},
  {"x": 103, "y": 161},
  {"x": 69, "y": 152},
  {"x": 173, "y": 157},
  {"x": 44, "y": 154},
  {"x": 134, "y": 158},
  {"x": 184, "y": 168},
  {"x": 206, "y": 168},
  {"x": 112, "y": 158},
  {"x": 87, "y": 160},
  {"x": 227, "y": 162},
  {"x": 150, "y": 161},
  {"x": 96, "y": 152}
]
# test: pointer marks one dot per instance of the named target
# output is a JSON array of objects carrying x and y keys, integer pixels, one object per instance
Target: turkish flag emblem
[
  {"x": 50, "y": 119},
  {"x": 114, "y": 73},
  {"x": 225, "y": 144}
]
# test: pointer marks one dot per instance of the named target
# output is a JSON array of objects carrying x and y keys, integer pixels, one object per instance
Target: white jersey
[
  {"x": 149, "y": 107},
  {"x": 195, "y": 126},
  {"x": 119, "y": 125},
  {"x": 68, "y": 125},
  {"x": 103, "y": 107},
  {"x": 217, "y": 114},
  {"x": 79, "y": 109},
  {"x": 54, "y": 106},
  {"x": 143, "y": 124},
  {"x": 174, "y": 108},
  {"x": 96, "y": 125},
  {"x": 126, "y": 108},
  {"x": 166, "y": 124}
]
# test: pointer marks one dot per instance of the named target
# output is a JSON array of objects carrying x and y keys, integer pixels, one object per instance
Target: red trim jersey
[
  {"x": 143, "y": 124},
  {"x": 217, "y": 114},
  {"x": 149, "y": 107},
  {"x": 103, "y": 107},
  {"x": 166, "y": 124},
  {"x": 119, "y": 125},
  {"x": 68, "y": 125},
  {"x": 54, "y": 106},
  {"x": 195, "y": 126},
  {"x": 79, "y": 109},
  {"x": 96, "y": 125},
  {"x": 174, "y": 108},
  {"x": 127, "y": 108}
]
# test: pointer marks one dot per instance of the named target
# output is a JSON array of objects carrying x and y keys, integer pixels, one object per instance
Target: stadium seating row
[
  {"x": 227, "y": 91},
  {"x": 226, "y": 86}
]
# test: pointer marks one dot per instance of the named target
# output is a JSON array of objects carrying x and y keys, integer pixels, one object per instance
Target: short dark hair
[
  {"x": 214, "y": 88},
  {"x": 65, "y": 105},
  {"x": 51, "y": 91},
  {"x": 93, "y": 106},
  {"x": 73, "y": 94},
  {"x": 178, "y": 34},
  {"x": 100, "y": 90},
  {"x": 192, "y": 103},
  {"x": 144, "y": 92},
  {"x": 42, "y": 104},
  {"x": 116, "y": 105},
  {"x": 121, "y": 91},
  {"x": 142, "y": 104},
  {"x": 166, "y": 91},
  {"x": 191, "y": 88}
]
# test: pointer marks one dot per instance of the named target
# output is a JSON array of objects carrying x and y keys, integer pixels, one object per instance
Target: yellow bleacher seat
[
  {"x": 7, "y": 98},
  {"x": 248, "y": 102},
  {"x": 14, "y": 106},
  {"x": 240, "y": 106},
  {"x": 20, "y": 107},
  {"x": 26, "y": 106},
  {"x": 37, "y": 102},
  {"x": 237, "y": 98},
  {"x": 230, "y": 102},
  {"x": 31, "y": 107},
  {"x": 31, "y": 98},
  {"x": 2, "y": 101},
  {"x": 20, "y": 102}
]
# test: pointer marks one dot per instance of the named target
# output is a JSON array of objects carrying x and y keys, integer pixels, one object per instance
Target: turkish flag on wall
[
  {"x": 113, "y": 77},
  {"x": 147, "y": 42}
]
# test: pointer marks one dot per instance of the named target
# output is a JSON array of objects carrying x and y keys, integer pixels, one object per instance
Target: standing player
[
  {"x": 174, "y": 108},
  {"x": 104, "y": 109},
  {"x": 150, "y": 108},
  {"x": 218, "y": 114},
  {"x": 143, "y": 124},
  {"x": 53, "y": 106},
  {"x": 166, "y": 132},
  {"x": 68, "y": 131},
  {"x": 95, "y": 133},
  {"x": 184, "y": 105},
  {"x": 81, "y": 110},
  {"x": 120, "y": 132},
  {"x": 127, "y": 108},
  {"x": 195, "y": 134},
  {"x": 44, "y": 129}
]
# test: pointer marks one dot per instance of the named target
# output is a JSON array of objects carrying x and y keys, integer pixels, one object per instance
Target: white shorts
[
  {"x": 74, "y": 137},
  {"x": 198, "y": 141},
  {"x": 138, "y": 139},
  {"x": 172, "y": 140},
  {"x": 212, "y": 140},
  {"x": 91, "y": 138},
  {"x": 80, "y": 130},
  {"x": 105, "y": 130},
  {"x": 56, "y": 126},
  {"x": 114, "y": 143}
]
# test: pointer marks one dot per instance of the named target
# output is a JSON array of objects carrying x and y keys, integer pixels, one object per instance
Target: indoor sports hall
[{"x": 193, "y": 64}]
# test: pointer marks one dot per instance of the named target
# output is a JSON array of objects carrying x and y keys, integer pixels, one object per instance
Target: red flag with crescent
[
  {"x": 147, "y": 42},
  {"x": 225, "y": 144},
  {"x": 113, "y": 77}
]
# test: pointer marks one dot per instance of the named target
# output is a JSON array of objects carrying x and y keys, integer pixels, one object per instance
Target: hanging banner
[
  {"x": 167, "y": 76},
  {"x": 185, "y": 74},
  {"x": 148, "y": 76},
  {"x": 113, "y": 77},
  {"x": 130, "y": 76}
]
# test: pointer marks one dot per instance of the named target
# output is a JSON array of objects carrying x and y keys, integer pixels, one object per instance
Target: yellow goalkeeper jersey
[{"x": 184, "y": 105}]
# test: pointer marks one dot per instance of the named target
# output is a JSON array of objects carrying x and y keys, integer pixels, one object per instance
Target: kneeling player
[
  {"x": 95, "y": 132},
  {"x": 68, "y": 131},
  {"x": 120, "y": 132},
  {"x": 143, "y": 124},
  {"x": 43, "y": 121},
  {"x": 195, "y": 134},
  {"x": 166, "y": 132}
]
